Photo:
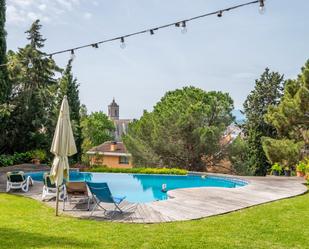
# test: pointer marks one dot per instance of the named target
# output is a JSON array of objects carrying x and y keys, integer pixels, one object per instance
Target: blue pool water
[{"x": 147, "y": 188}]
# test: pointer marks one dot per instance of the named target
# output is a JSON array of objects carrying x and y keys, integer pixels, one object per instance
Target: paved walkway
[{"x": 194, "y": 203}]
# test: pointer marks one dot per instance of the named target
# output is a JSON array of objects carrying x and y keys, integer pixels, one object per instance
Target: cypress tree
[
  {"x": 267, "y": 92},
  {"x": 4, "y": 82},
  {"x": 68, "y": 86}
]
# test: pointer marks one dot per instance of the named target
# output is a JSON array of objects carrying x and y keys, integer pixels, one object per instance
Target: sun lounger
[
  {"x": 18, "y": 180},
  {"x": 50, "y": 189},
  {"x": 77, "y": 191},
  {"x": 102, "y": 194}
]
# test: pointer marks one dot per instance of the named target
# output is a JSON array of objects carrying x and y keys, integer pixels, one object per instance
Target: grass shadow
[{"x": 16, "y": 238}]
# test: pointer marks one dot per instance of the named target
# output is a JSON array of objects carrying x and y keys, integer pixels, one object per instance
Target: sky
[{"x": 222, "y": 54}]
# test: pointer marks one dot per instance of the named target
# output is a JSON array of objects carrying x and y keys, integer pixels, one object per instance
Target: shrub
[
  {"x": 284, "y": 151},
  {"x": 276, "y": 167},
  {"x": 171, "y": 171},
  {"x": 38, "y": 154},
  {"x": 301, "y": 166},
  {"x": 238, "y": 154},
  {"x": 6, "y": 160},
  {"x": 16, "y": 158}
]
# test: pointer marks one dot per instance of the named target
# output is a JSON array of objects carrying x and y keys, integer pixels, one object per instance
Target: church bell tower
[{"x": 113, "y": 110}]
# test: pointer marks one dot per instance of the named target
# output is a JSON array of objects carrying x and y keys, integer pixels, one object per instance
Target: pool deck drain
[{"x": 191, "y": 203}]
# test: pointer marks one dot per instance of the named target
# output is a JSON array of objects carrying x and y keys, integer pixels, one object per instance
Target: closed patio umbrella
[{"x": 63, "y": 145}]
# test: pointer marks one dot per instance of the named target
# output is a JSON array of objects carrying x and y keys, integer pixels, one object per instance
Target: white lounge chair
[
  {"x": 17, "y": 180},
  {"x": 50, "y": 189}
]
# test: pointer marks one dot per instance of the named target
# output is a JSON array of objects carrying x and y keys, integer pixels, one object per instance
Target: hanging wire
[{"x": 181, "y": 23}]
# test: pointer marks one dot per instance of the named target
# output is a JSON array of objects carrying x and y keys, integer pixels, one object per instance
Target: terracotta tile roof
[{"x": 106, "y": 147}]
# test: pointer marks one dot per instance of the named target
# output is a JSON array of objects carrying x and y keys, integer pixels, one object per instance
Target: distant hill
[{"x": 239, "y": 117}]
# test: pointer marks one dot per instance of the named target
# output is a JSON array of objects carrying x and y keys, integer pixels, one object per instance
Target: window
[{"x": 123, "y": 160}]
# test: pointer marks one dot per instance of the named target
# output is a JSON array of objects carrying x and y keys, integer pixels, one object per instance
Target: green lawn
[{"x": 25, "y": 223}]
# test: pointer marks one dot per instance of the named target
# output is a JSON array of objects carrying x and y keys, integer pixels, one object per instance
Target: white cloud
[
  {"x": 87, "y": 15},
  {"x": 22, "y": 3},
  {"x": 42, "y": 6},
  {"x": 23, "y": 11},
  {"x": 13, "y": 15},
  {"x": 32, "y": 16},
  {"x": 95, "y": 3}
]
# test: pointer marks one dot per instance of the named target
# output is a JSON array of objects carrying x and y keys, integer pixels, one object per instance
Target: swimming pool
[{"x": 146, "y": 188}]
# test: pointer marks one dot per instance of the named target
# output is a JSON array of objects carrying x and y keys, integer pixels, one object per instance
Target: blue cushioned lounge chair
[{"x": 101, "y": 193}]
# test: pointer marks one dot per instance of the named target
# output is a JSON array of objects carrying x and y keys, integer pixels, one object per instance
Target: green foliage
[
  {"x": 96, "y": 129},
  {"x": 30, "y": 124},
  {"x": 283, "y": 151},
  {"x": 68, "y": 86},
  {"x": 168, "y": 171},
  {"x": 238, "y": 153},
  {"x": 38, "y": 154},
  {"x": 291, "y": 120},
  {"x": 185, "y": 126},
  {"x": 5, "y": 86},
  {"x": 34, "y": 35},
  {"x": 5, "y": 83},
  {"x": 267, "y": 92},
  {"x": 302, "y": 166},
  {"x": 276, "y": 167},
  {"x": 24, "y": 157},
  {"x": 26, "y": 223},
  {"x": 290, "y": 117},
  {"x": 16, "y": 158}
]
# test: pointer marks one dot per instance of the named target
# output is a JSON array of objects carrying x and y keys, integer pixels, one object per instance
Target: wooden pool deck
[{"x": 188, "y": 204}]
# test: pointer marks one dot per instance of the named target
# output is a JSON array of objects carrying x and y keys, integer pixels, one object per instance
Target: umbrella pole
[{"x": 57, "y": 200}]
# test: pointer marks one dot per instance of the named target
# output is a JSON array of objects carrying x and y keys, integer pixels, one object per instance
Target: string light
[
  {"x": 262, "y": 7},
  {"x": 95, "y": 45},
  {"x": 122, "y": 43},
  {"x": 181, "y": 23},
  {"x": 30, "y": 64},
  {"x": 72, "y": 54},
  {"x": 183, "y": 27}
]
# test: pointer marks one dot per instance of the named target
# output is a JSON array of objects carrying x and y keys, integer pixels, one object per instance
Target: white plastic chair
[{"x": 17, "y": 180}]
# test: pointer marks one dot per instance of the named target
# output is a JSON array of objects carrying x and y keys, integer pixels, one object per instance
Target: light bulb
[
  {"x": 30, "y": 65},
  {"x": 122, "y": 43},
  {"x": 184, "y": 27},
  {"x": 184, "y": 30},
  {"x": 72, "y": 55},
  {"x": 262, "y": 7},
  {"x": 262, "y": 10}
]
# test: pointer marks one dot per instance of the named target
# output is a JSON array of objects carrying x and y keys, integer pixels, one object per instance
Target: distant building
[
  {"x": 113, "y": 110},
  {"x": 232, "y": 132},
  {"x": 110, "y": 154},
  {"x": 121, "y": 125}
]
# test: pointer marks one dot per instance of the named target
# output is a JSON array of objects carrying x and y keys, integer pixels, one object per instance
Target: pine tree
[
  {"x": 68, "y": 86},
  {"x": 291, "y": 120},
  {"x": 34, "y": 35},
  {"x": 183, "y": 130},
  {"x": 5, "y": 87},
  {"x": 32, "y": 75}
]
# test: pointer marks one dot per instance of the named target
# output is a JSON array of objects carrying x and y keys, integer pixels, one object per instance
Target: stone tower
[{"x": 113, "y": 110}]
